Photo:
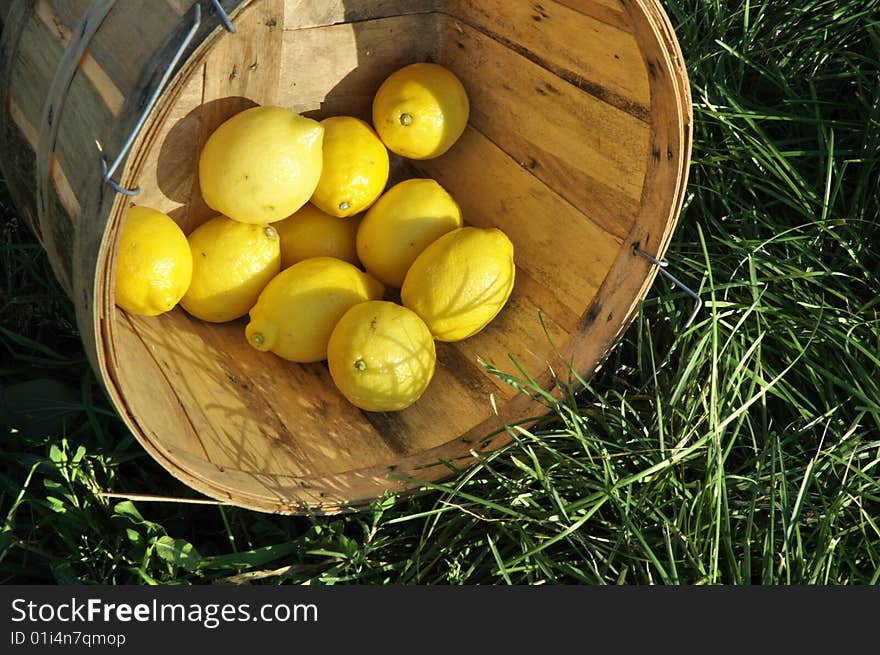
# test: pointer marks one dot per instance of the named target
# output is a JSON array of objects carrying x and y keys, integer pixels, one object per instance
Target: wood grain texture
[
  {"x": 600, "y": 58},
  {"x": 56, "y": 205},
  {"x": 611, "y": 12},
  {"x": 353, "y": 59},
  {"x": 577, "y": 147},
  {"x": 308, "y": 13},
  {"x": 59, "y": 16},
  {"x": 134, "y": 352},
  {"x": 19, "y": 134},
  {"x": 533, "y": 214},
  {"x": 666, "y": 171},
  {"x": 589, "y": 150}
]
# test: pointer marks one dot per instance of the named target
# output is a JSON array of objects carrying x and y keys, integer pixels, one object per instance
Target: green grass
[{"x": 753, "y": 457}]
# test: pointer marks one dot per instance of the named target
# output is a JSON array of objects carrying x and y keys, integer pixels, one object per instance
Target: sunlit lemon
[
  {"x": 261, "y": 165},
  {"x": 299, "y": 308},
  {"x": 232, "y": 262},
  {"x": 312, "y": 233},
  {"x": 381, "y": 356},
  {"x": 401, "y": 224},
  {"x": 355, "y": 168},
  {"x": 421, "y": 110},
  {"x": 153, "y": 263},
  {"x": 461, "y": 281}
]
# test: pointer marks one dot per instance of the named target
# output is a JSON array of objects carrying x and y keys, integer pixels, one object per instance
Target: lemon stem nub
[
  {"x": 406, "y": 119},
  {"x": 261, "y": 334},
  {"x": 344, "y": 205},
  {"x": 360, "y": 365},
  {"x": 270, "y": 232}
]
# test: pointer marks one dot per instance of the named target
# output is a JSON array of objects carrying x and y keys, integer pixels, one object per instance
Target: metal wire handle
[
  {"x": 224, "y": 17},
  {"x": 662, "y": 264},
  {"x": 107, "y": 171}
]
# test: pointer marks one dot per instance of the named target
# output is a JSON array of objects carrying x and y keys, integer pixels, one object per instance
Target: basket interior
[{"x": 557, "y": 153}]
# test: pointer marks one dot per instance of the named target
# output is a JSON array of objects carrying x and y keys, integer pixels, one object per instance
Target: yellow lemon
[
  {"x": 312, "y": 233},
  {"x": 355, "y": 168},
  {"x": 153, "y": 264},
  {"x": 232, "y": 262},
  {"x": 401, "y": 224},
  {"x": 261, "y": 165},
  {"x": 381, "y": 356},
  {"x": 299, "y": 308},
  {"x": 420, "y": 111},
  {"x": 461, "y": 281}
]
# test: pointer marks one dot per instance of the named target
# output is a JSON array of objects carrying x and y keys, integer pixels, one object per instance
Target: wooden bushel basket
[{"x": 578, "y": 148}]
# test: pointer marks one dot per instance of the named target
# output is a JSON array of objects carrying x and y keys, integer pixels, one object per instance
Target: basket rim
[{"x": 318, "y": 493}]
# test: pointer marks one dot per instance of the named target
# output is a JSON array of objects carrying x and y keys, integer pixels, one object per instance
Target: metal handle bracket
[
  {"x": 662, "y": 265},
  {"x": 107, "y": 170}
]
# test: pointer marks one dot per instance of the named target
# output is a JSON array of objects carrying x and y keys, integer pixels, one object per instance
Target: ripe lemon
[
  {"x": 299, "y": 308},
  {"x": 461, "y": 281},
  {"x": 232, "y": 262},
  {"x": 420, "y": 111},
  {"x": 355, "y": 168},
  {"x": 401, "y": 224},
  {"x": 312, "y": 233},
  {"x": 261, "y": 165},
  {"x": 153, "y": 264},
  {"x": 381, "y": 356}
]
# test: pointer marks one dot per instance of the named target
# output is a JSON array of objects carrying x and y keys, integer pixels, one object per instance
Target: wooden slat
[
  {"x": 54, "y": 19},
  {"x": 26, "y": 76},
  {"x": 64, "y": 189},
  {"x": 168, "y": 422},
  {"x": 495, "y": 191},
  {"x": 83, "y": 103},
  {"x": 36, "y": 59},
  {"x": 611, "y": 12},
  {"x": 61, "y": 15},
  {"x": 5, "y": 6},
  {"x": 256, "y": 412},
  {"x": 591, "y": 153},
  {"x": 59, "y": 231},
  {"x": 682, "y": 155},
  {"x": 307, "y": 13},
  {"x": 595, "y": 56},
  {"x": 517, "y": 333},
  {"x": 20, "y": 119},
  {"x": 236, "y": 428},
  {"x": 338, "y": 69},
  {"x": 248, "y": 67},
  {"x": 129, "y": 38}
]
